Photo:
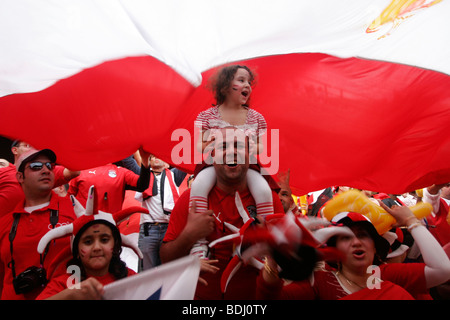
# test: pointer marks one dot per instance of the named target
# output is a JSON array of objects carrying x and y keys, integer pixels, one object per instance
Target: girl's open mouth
[{"x": 358, "y": 254}]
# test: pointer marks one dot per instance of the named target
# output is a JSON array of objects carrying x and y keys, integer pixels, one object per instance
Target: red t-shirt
[
  {"x": 242, "y": 285},
  {"x": 400, "y": 281},
  {"x": 58, "y": 284},
  {"x": 109, "y": 181},
  {"x": 10, "y": 190},
  {"x": 31, "y": 228},
  {"x": 386, "y": 291}
]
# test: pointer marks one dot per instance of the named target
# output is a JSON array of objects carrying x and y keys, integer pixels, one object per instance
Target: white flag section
[
  {"x": 43, "y": 41},
  {"x": 176, "y": 280},
  {"x": 366, "y": 80}
]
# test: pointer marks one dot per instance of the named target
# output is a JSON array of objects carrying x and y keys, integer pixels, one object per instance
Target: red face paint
[
  {"x": 82, "y": 253},
  {"x": 96, "y": 249}
]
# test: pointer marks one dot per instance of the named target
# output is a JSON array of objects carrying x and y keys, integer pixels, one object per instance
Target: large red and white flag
[
  {"x": 355, "y": 92},
  {"x": 176, "y": 280}
]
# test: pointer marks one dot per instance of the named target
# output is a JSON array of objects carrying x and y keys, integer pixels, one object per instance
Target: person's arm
[
  {"x": 144, "y": 175},
  {"x": 64, "y": 175},
  {"x": 205, "y": 138},
  {"x": 130, "y": 163},
  {"x": 90, "y": 289},
  {"x": 437, "y": 263},
  {"x": 198, "y": 226},
  {"x": 69, "y": 174},
  {"x": 432, "y": 195},
  {"x": 145, "y": 158},
  {"x": 262, "y": 131},
  {"x": 73, "y": 187},
  {"x": 143, "y": 181}
]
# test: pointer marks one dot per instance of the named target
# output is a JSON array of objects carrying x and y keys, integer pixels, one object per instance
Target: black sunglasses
[{"x": 37, "y": 166}]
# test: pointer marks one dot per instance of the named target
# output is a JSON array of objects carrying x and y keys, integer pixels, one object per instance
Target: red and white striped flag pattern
[{"x": 354, "y": 92}]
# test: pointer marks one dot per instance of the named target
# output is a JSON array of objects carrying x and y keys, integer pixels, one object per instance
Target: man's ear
[
  {"x": 14, "y": 150},
  {"x": 20, "y": 176}
]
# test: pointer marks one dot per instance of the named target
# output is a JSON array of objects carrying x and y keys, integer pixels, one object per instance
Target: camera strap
[
  {"x": 12, "y": 235},
  {"x": 54, "y": 217}
]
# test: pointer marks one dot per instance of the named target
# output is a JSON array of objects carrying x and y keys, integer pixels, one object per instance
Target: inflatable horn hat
[{"x": 91, "y": 214}]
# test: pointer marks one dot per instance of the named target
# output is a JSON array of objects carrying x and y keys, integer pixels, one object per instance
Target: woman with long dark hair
[{"x": 362, "y": 273}]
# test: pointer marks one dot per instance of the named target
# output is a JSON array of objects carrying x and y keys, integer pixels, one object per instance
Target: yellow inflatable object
[
  {"x": 419, "y": 193},
  {"x": 295, "y": 198},
  {"x": 356, "y": 201},
  {"x": 303, "y": 204}
]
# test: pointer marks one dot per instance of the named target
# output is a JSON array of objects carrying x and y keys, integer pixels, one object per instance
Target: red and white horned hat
[{"x": 91, "y": 214}]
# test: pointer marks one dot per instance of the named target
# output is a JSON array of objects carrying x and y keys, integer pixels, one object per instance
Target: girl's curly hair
[{"x": 221, "y": 81}]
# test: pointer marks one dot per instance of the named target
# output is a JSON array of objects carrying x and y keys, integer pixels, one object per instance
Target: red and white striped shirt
[{"x": 255, "y": 124}]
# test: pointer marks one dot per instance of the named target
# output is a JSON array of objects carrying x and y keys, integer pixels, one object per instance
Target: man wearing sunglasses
[
  {"x": 20, "y": 231},
  {"x": 10, "y": 191}
]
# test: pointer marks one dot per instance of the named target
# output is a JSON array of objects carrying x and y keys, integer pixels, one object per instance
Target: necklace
[{"x": 350, "y": 282}]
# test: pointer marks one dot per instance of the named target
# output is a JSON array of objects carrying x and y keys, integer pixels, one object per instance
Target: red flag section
[
  {"x": 96, "y": 80},
  {"x": 368, "y": 124}
]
